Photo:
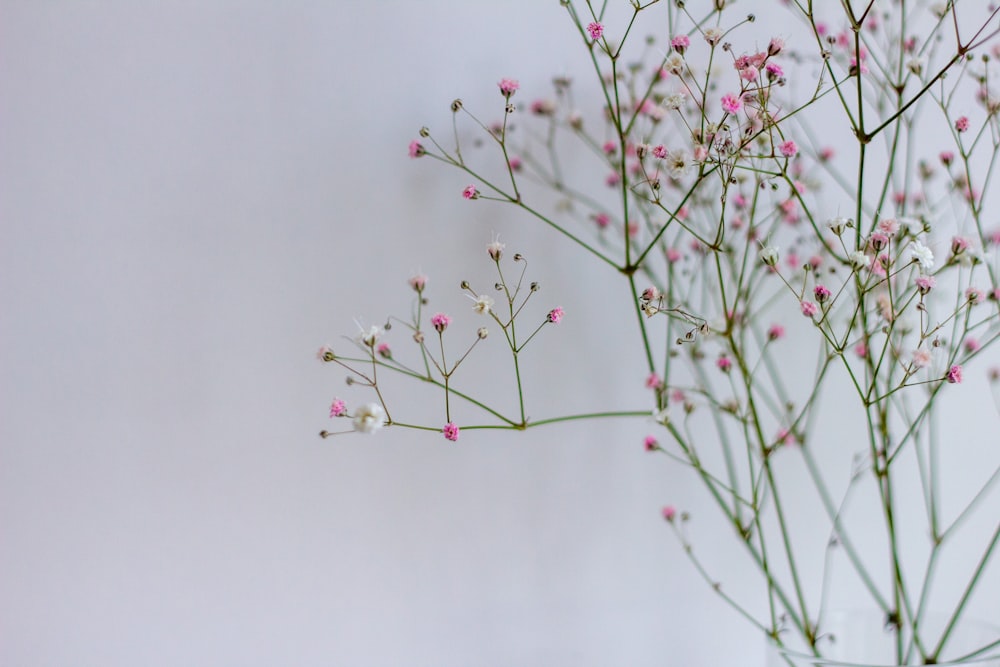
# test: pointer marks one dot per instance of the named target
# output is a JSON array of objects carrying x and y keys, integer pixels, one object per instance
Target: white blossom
[
  {"x": 369, "y": 418},
  {"x": 923, "y": 255}
]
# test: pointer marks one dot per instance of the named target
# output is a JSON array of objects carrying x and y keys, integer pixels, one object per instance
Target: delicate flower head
[
  {"x": 946, "y": 157},
  {"x": 495, "y": 249},
  {"x": 821, "y": 292},
  {"x": 674, "y": 64},
  {"x": 337, "y": 408},
  {"x": 650, "y": 443},
  {"x": 508, "y": 87},
  {"x": 731, "y": 103},
  {"x": 808, "y": 308},
  {"x": 838, "y": 225},
  {"x": 384, "y": 350},
  {"x": 470, "y": 192},
  {"x": 440, "y": 322},
  {"x": 972, "y": 345},
  {"x": 418, "y": 282},
  {"x": 555, "y": 315},
  {"x": 922, "y": 255},
  {"x": 483, "y": 303},
  {"x": 888, "y": 226},
  {"x": 674, "y": 101},
  {"x": 724, "y": 363},
  {"x": 712, "y": 35},
  {"x": 450, "y": 431},
  {"x": 878, "y": 241},
  {"x": 774, "y": 71},
  {"x": 788, "y": 148},
  {"x": 954, "y": 375},
  {"x": 959, "y": 244},
  {"x": 921, "y": 357},
  {"x": 416, "y": 149},
  {"x": 775, "y": 331},
  {"x": 369, "y": 418},
  {"x": 595, "y": 29},
  {"x": 325, "y": 353},
  {"x": 775, "y": 46},
  {"x": 680, "y": 43},
  {"x": 974, "y": 295},
  {"x": 961, "y": 124},
  {"x": 370, "y": 337},
  {"x": 669, "y": 513},
  {"x": 859, "y": 260},
  {"x": 924, "y": 283},
  {"x": 654, "y": 381},
  {"x": 769, "y": 255}
]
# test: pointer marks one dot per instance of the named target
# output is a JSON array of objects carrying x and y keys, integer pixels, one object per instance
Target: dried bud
[
  {"x": 456, "y": 105},
  {"x": 535, "y": 287},
  {"x": 424, "y": 132},
  {"x": 482, "y": 333}
]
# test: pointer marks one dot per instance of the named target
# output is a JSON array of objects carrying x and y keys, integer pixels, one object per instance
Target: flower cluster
[{"x": 748, "y": 238}]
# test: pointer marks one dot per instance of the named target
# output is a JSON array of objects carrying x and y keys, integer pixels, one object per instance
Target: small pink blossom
[
  {"x": 325, "y": 353},
  {"x": 650, "y": 443},
  {"x": 775, "y": 331},
  {"x": 731, "y": 103},
  {"x": 921, "y": 357},
  {"x": 660, "y": 151},
  {"x": 337, "y": 408},
  {"x": 602, "y": 220},
  {"x": 954, "y": 375},
  {"x": 826, "y": 154},
  {"x": 808, "y": 308},
  {"x": 418, "y": 282},
  {"x": 959, "y": 244},
  {"x": 440, "y": 322},
  {"x": 669, "y": 513},
  {"x": 555, "y": 315},
  {"x": 974, "y": 295},
  {"x": 470, "y": 192},
  {"x": 654, "y": 381},
  {"x": 724, "y": 363},
  {"x": 774, "y": 71},
  {"x": 609, "y": 147},
  {"x": 515, "y": 163},
  {"x": 946, "y": 157},
  {"x": 961, "y": 124},
  {"x": 680, "y": 43},
  {"x": 775, "y": 46},
  {"x": 508, "y": 87},
  {"x": 821, "y": 292},
  {"x": 861, "y": 350},
  {"x": 613, "y": 179},
  {"x": 889, "y": 226},
  {"x": 972, "y": 345},
  {"x": 925, "y": 283},
  {"x": 416, "y": 149},
  {"x": 673, "y": 255},
  {"x": 384, "y": 350},
  {"x": 878, "y": 241},
  {"x": 450, "y": 431},
  {"x": 595, "y": 30},
  {"x": 788, "y": 148}
]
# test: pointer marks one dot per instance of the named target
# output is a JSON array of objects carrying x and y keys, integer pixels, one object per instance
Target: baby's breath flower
[
  {"x": 922, "y": 255},
  {"x": 369, "y": 418}
]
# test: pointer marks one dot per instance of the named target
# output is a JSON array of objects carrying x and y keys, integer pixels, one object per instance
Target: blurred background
[{"x": 193, "y": 198}]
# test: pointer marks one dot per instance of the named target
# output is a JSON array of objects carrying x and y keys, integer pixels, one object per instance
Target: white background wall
[{"x": 194, "y": 197}]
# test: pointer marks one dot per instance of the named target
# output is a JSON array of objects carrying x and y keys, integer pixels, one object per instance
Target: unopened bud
[
  {"x": 424, "y": 132},
  {"x": 535, "y": 287},
  {"x": 464, "y": 284},
  {"x": 482, "y": 333},
  {"x": 456, "y": 105}
]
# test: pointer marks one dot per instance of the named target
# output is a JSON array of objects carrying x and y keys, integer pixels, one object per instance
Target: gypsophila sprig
[{"x": 861, "y": 144}]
